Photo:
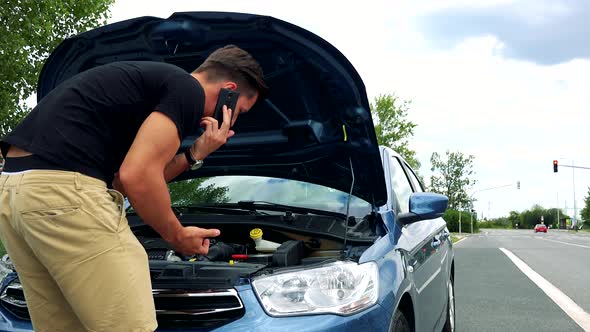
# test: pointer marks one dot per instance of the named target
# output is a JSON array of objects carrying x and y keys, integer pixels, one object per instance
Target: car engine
[{"x": 232, "y": 256}]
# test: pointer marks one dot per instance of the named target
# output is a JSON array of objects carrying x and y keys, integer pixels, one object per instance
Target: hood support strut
[{"x": 348, "y": 205}]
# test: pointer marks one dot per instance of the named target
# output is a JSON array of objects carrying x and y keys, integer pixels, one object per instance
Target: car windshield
[{"x": 233, "y": 189}]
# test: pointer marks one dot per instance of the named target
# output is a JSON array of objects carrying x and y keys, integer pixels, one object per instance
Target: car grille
[
  {"x": 174, "y": 308},
  {"x": 13, "y": 300},
  {"x": 209, "y": 308}
]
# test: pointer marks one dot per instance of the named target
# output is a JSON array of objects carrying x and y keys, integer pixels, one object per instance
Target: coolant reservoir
[{"x": 262, "y": 245}]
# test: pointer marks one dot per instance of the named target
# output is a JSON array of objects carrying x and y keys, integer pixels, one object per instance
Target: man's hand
[
  {"x": 193, "y": 240},
  {"x": 142, "y": 174},
  {"x": 214, "y": 136}
]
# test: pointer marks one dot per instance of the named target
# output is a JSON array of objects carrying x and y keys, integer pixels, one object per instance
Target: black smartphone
[{"x": 228, "y": 98}]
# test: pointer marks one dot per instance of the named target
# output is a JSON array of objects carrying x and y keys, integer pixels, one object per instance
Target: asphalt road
[{"x": 493, "y": 294}]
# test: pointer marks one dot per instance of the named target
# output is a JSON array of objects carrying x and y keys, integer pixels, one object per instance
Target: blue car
[{"x": 321, "y": 228}]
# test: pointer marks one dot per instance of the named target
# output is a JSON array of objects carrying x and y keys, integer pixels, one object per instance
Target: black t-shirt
[{"x": 88, "y": 123}]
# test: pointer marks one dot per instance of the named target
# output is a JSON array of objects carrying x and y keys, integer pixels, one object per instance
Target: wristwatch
[{"x": 192, "y": 162}]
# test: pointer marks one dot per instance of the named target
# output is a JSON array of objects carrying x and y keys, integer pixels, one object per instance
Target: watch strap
[{"x": 189, "y": 157}]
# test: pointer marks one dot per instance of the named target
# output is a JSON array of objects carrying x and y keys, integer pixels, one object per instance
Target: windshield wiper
[
  {"x": 253, "y": 208},
  {"x": 221, "y": 208},
  {"x": 269, "y": 206}
]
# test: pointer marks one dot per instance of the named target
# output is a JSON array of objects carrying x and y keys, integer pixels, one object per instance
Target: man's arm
[
  {"x": 142, "y": 177},
  {"x": 210, "y": 141},
  {"x": 177, "y": 165}
]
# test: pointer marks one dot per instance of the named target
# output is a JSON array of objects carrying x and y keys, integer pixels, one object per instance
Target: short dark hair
[{"x": 233, "y": 63}]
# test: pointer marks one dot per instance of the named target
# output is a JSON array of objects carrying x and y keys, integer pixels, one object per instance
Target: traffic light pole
[
  {"x": 572, "y": 166},
  {"x": 558, "y": 208},
  {"x": 486, "y": 189},
  {"x": 575, "y": 223}
]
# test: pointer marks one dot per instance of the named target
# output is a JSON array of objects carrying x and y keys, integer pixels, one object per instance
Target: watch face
[{"x": 196, "y": 165}]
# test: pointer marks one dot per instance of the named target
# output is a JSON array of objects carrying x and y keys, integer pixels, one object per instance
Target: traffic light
[
  {"x": 555, "y": 166},
  {"x": 517, "y": 184}
]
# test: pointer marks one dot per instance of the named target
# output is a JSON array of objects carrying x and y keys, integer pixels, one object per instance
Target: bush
[
  {"x": 503, "y": 223},
  {"x": 452, "y": 219}
]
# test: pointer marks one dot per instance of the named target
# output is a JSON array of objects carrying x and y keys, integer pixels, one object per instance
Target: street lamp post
[
  {"x": 460, "y": 219},
  {"x": 575, "y": 220}
]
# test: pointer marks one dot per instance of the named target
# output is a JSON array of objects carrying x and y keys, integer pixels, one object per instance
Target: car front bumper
[{"x": 374, "y": 319}]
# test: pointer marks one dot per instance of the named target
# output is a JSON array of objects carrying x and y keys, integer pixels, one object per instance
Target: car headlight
[
  {"x": 342, "y": 288},
  {"x": 13, "y": 300},
  {"x": 5, "y": 266}
]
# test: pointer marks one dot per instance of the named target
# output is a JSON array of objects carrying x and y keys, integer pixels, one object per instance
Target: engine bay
[{"x": 241, "y": 251}]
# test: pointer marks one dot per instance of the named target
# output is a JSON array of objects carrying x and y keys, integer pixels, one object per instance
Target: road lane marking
[
  {"x": 569, "y": 244},
  {"x": 459, "y": 241},
  {"x": 566, "y": 304}
]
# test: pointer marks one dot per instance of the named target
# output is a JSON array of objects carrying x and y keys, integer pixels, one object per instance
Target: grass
[
  {"x": 2, "y": 250},
  {"x": 455, "y": 238}
]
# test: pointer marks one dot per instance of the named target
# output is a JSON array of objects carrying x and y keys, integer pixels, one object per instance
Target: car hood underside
[{"x": 314, "y": 126}]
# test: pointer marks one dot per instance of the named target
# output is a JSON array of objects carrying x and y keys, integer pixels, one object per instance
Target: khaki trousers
[{"x": 81, "y": 267}]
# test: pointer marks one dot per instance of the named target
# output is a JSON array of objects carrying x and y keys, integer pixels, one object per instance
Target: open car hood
[{"x": 312, "y": 127}]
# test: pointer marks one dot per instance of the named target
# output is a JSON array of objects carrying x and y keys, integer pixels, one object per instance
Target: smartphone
[{"x": 228, "y": 98}]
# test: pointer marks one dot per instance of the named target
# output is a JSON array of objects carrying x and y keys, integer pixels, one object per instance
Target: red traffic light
[{"x": 555, "y": 166}]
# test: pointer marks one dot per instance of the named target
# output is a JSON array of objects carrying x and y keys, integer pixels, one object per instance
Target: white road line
[
  {"x": 459, "y": 241},
  {"x": 569, "y": 244},
  {"x": 566, "y": 304}
]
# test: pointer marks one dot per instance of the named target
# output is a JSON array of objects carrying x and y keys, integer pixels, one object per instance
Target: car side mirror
[{"x": 424, "y": 206}]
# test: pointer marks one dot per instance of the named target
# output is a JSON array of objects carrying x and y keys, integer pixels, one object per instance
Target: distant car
[{"x": 540, "y": 228}]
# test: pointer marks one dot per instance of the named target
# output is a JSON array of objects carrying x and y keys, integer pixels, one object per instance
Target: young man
[{"x": 122, "y": 123}]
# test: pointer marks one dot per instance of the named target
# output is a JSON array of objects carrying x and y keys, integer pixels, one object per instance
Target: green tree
[
  {"x": 29, "y": 31},
  {"x": 585, "y": 213},
  {"x": 502, "y": 222},
  {"x": 452, "y": 219},
  {"x": 535, "y": 215},
  {"x": 392, "y": 127},
  {"x": 529, "y": 218},
  {"x": 192, "y": 191},
  {"x": 452, "y": 177},
  {"x": 514, "y": 218}
]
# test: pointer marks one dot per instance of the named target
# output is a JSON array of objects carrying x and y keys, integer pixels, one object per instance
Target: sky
[{"x": 505, "y": 81}]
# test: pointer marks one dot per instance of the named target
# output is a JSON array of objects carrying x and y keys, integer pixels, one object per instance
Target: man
[{"x": 122, "y": 123}]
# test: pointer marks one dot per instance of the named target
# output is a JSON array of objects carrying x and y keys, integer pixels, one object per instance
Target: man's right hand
[
  {"x": 193, "y": 240},
  {"x": 214, "y": 136}
]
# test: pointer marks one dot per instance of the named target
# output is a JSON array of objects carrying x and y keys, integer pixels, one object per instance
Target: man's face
[{"x": 243, "y": 105}]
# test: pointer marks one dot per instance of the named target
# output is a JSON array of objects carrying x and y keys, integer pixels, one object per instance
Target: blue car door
[
  {"x": 430, "y": 274},
  {"x": 424, "y": 254}
]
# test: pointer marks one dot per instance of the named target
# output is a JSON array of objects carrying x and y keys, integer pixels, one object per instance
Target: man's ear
[{"x": 230, "y": 85}]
